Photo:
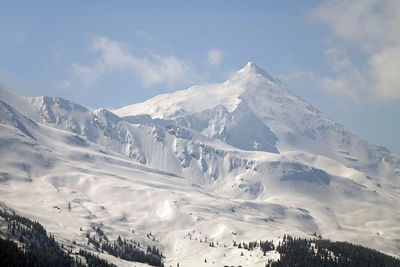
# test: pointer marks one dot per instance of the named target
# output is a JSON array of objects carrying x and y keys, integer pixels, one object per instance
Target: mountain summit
[{"x": 252, "y": 68}]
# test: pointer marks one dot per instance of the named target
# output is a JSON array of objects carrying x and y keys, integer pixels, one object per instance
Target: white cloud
[
  {"x": 386, "y": 71},
  {"x": 364, "y": 51},
  {"x": 214, "y": 56},
  {"x": 338, "y": 86},
  {"x": 115, "y": 56},
  {"x": 87, "y": 75}
]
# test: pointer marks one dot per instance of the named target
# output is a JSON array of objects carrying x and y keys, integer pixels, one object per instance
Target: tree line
[
  {"x": 127, "y": 250},
  {"x": 323, "y": 252},
  {"x": 36, "y": 247}
]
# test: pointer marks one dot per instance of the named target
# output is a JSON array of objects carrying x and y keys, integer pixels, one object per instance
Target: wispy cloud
[
  {"x": 115, "y": 56},
  {"x": 364, "y": 51},
  {"x": 146, "y": 36},
  {"x": 214, "y": 57}
]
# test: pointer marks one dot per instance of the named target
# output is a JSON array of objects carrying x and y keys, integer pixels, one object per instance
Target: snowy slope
[
  {"x": 243, "y": 160},
  {"x": 66, "y": 182}
]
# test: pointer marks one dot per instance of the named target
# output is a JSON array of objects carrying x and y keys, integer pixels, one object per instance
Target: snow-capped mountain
[
  {"x": 242, "y": 160},
  {"x": 275, "y": 120}
]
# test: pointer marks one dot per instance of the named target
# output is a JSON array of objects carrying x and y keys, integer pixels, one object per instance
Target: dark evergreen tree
[{"x": 322, "y": 252}]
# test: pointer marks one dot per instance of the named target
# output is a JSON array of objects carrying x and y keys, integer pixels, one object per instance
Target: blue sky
[{"x": 341, "y": 56}]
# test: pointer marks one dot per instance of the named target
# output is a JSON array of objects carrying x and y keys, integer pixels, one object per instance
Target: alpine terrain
[{"x": 200, "y": 176}]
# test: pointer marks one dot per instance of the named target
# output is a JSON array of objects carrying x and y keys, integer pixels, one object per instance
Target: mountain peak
[
  {"x": 251, "y": 69},
  {"x": 251, "y": 66}
]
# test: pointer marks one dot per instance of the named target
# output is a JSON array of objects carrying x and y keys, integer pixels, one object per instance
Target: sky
[{"x": 343, "y": 57}]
